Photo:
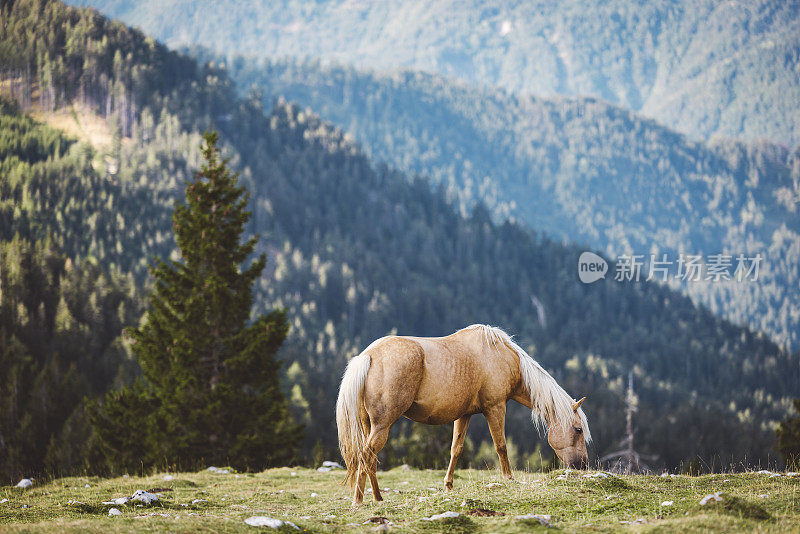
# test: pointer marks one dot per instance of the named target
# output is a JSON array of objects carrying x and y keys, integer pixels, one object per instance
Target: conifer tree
[{"x": 209, "y": 392}]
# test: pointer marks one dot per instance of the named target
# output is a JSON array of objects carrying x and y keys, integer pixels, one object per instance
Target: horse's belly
[
  {"x": 451, "y": 384},
  {"x": 422, "y": 414}
]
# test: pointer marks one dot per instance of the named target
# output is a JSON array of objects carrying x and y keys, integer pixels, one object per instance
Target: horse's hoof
[{"x": 448, "y": 486}]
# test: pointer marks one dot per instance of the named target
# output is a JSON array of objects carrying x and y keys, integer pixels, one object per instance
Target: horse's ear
[{"x": 576, "y": 405}]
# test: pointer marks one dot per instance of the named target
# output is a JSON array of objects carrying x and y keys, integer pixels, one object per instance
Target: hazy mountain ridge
[
  {"x": 706, "y": 68},
  {"x": 577, "y": 169},
  {"x": 357, "y": 250}
]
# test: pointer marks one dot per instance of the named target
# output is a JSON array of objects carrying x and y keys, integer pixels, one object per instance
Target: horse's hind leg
[
  {"x": 459, "y": 432},
  {"x": 361, "y": 479},
  {"x": 375, "y": 442}
]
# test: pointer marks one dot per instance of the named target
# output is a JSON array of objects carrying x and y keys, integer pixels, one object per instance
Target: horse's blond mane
[{"x": 549, "y": 401}]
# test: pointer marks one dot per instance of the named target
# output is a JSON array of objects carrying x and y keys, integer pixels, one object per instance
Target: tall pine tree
[{"x": 209, "y": 392}]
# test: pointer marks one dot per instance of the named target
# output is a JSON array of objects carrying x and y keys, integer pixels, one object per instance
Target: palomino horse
[{"x": 445, "y": 379}]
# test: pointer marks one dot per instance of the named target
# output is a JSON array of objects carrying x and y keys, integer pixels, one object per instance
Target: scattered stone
[
  {"x": 773, "y": 475},
  {"x": 639, "y": 521},
  {"x": 443, "y": 515},
  {"x": 332, "y": 465},
  {"x": 200, "y": 501},
  {"x": 114, "y": 511},
  {"x": 711, "y": 497},
  {"x": 543, "y": 519},
  {"x": 667, "y": 503},
  {"x": 87, "y": 486},
  {"x": 493, "y": 485},
  {"x": 293, "y": 474},
  {"x": 406, "y": 467},
  {"x": 324, "y": 469},
  {"x": 218, "y": 471},
  {"x": 433, "y": 489},
  {"x": 169, "y": 477},
  {"x": 598, "y": 474},
  {"x": 3, "y": 501},
  {"x": 144, "y": 496},
  {"x": 264, "y": 521},
  {"x": 764, "y": 495},
  {"x": 75, "y": 503},
  {"x": 314, "y": 494},
  {"x": 423, "y": 498},
  {"x": 126, "y": 476},
  {"x": 793, "y": 474},
  {"x": 25, "y": 483}
]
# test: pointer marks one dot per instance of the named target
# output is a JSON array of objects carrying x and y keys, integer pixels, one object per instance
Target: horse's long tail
[{"x": 352, "y": 431}]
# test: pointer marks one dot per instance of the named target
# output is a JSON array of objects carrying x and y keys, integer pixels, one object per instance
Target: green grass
[{"x": 751, "y": 503}]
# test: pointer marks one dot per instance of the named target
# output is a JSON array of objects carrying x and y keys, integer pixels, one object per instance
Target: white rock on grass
[
  {"x": 324, "y": 469},
  {"x": 120, "y": 500},
  {"x": 3, "y": 501},
  {"x": 25, "y": 483},
  {"x": 218, "y": 471},
  {"x": 200, "y": 501},
  {"x": 598, "y": 474},
  {"x": 169, "y": 477},
  {"x": 543, "y": 519},
  {"x": 114, "y": 511},
  {"x": 271, "y": 522},
  {"x": 711, "y": 497},
  {"x": 144, "y": 497},
  {"x": 332, "y": 465},
  {"x": 493, "y": 485},
  {"x": 667, "y": 503},
  {"x": 443, "y": 515}
]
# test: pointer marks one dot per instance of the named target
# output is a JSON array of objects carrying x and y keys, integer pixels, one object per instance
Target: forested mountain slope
[
  {"x": 702, "y": 67},
  {"x": 580, "y": 170},
  {"x": 358, "y": 250}
]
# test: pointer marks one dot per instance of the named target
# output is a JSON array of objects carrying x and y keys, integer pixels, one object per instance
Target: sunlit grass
[{"x": 318, "y": 502}]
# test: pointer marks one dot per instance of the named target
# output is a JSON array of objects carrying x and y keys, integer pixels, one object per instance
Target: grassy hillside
[
  {"x": 706, "y": 68},
  {"x": 358, "y": 250},
  {"x": 317, "y": 502}
]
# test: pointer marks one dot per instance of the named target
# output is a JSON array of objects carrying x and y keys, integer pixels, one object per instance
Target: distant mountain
[
  {"x": 579, "y": 170},
  {"x": 356, "y": 249},
  {"x": 705, "y": 68}
]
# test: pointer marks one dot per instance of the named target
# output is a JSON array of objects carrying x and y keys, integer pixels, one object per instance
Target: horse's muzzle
[{"x": 582, "y": 464}]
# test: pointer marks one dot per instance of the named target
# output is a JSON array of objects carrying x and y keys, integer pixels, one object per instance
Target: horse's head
[{"x": 568, "y": 442}]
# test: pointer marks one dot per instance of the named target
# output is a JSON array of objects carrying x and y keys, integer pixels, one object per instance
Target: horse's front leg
[
  {"x": 496, "y": 417},
  {"x": 459, "y": 433}
]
